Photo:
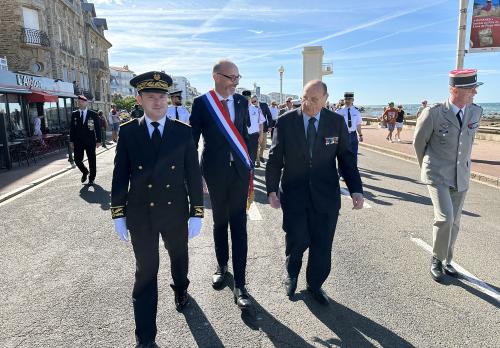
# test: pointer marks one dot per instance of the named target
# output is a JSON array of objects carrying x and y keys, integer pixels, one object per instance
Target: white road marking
[
  {"x": 345, "y": 193},
  {"x": 472, "y": 279},
  {"x": 253, "y": 213}
]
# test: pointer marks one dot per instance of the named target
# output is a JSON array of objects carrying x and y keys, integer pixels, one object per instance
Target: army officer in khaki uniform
[
  {"x": 156, "y": 191},
  {"x": 443, "y": 141}
]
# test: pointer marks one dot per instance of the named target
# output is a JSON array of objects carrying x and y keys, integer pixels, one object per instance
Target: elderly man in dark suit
[
  {"x": 306, "y": 144},
  {"x": 85, "y": 136},
  {"x": 156, "y": 191},
  {"x": 221, "y": 116}
]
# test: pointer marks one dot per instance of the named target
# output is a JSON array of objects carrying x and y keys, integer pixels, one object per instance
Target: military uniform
[
  {"x": 85, "y": 133},
  {"x": 178, "y": 113},
  {"x": 157, "y": 187},
  {"x": 443, "y": 140}
]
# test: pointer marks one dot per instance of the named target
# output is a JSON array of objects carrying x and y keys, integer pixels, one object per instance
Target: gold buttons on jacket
[
  {"x": 140, "y": 167},
  {"x": 149, "y": 186},
  {"x": 167, "y": 186},
  {"x": 169, "y": 203},
  {"x": 151, "y": 204},
  {"x": 173, "y": 167}
]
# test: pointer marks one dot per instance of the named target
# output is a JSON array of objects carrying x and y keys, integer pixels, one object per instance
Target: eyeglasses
[
  {"x": 231, "y": 77},
  {"x": 254, "y": 101}
]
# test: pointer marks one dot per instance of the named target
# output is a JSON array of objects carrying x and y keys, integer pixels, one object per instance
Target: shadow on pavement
[
  {"x": 257, "y": 318},
  {"x": 95, "y": 194},
  {"x": 201, "y": 329},
  {"x": 350, "y": 326}
]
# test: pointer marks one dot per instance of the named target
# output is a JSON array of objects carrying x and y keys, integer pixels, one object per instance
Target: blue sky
[{"x": 389, "y": 50}]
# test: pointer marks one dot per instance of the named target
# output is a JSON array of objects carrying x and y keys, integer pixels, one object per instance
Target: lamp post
[{"x": 281, "y": 70}]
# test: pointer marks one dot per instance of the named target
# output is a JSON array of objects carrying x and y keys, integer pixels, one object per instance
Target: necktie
[
  {"x": 311, "y": 135},
  {"x": 81, "y": 114},
  {"x": 224, "y": 105},
  {"x": 156, "y": 138},
  {"x": 459, "y": 117},
  {"x": 176, "y": 113},
  {"x": 349, "y": 121}
]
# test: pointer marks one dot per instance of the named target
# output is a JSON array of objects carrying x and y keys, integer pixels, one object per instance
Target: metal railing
[
  {"x": 35, "y": 37},
  {"x": 327, "y": 68},
  {"x": 67, "y": 49},
  {"x": 96, "y": 63}
]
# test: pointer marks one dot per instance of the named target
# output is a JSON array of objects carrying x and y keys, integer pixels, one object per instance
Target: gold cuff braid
[{"x": 118, "y": 212}]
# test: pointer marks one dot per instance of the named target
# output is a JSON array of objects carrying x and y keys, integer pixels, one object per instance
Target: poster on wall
[{"x": 485, "y": 26}]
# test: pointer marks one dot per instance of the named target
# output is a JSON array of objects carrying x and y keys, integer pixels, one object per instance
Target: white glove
[
  {"x": 121, "y": 228},
  {"x": 194, "y": 227}
]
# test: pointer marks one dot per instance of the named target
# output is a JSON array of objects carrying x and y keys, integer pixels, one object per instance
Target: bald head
[
  {"x": 226, "y": 77},
  {"x": 314, "y": 97},
  {"x": 223, "y": 65}
]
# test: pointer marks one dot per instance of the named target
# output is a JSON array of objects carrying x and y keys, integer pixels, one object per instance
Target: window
[
  {"x": 51, "y": 117},
  {"x": 60, "y": 32},
  {"x": 15, "y": 124},
  {"x": 63, "y": 112},
  {"x": 65, "y": 74},
  {"x": 30, "y": 18},
  {"x": 80, "y": 45}
]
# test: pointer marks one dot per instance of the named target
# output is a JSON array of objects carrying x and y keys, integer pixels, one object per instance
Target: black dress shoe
[
  {"x": 147, "y": 345},
  {"x": 84, "y": 177},
  {"x": 290, "y": 286},
  {"x": 437, "y": 269},
  {"x": 181, "y": 299},
  {"x": 219, "y": 277},
  {"x": 262, "y": 159},
  {"x": 91, "y": 182},
  {"x": 450, "y": 270},
  {"x": 319, "y": 295},
  {"x": 242, "y": 298}
]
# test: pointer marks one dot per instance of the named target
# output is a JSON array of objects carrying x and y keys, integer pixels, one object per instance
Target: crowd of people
[{"x": 157, "y": 185}]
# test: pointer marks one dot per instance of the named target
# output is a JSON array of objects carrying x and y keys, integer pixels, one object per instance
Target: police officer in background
[
  {"x": 157, "y": 157},
  {"x": 177, "y": 111},
  {"x": 85, "y": 135},
  {"x": 353, "y": 120},
  {"x": 443, "y": 141}
]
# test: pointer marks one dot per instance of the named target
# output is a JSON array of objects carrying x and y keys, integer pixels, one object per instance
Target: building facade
[
  {"x": 120, "y": 81},
  {"x": 188, "y": 92}
]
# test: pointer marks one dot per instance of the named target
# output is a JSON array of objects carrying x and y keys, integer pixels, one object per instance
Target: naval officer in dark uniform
[
  {"x": 158, "y": 158},
  {"x": 85, "y": 136}
]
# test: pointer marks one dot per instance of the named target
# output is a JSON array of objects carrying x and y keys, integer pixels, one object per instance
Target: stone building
[
  {"x": 120, "y": 81},
  {"x": 59, "y": 39}
]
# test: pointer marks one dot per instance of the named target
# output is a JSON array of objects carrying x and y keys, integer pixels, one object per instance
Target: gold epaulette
[
  {"x": 117, "y": 212},
  {"x": 128, "y": 122},
  {"x": 184, "y": 123}
]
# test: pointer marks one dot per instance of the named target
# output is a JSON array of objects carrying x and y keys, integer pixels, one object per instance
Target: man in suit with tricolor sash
[{"x": 221, "y": 116}]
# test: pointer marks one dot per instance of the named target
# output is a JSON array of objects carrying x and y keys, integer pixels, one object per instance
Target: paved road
[{"x": 67, "y": 279}]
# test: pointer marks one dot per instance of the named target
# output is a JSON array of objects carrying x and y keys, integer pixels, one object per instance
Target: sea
[{"x": 490, "y": 110}]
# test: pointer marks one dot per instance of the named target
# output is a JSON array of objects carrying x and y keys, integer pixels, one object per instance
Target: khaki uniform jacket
[{"x": 443, "y": 148}]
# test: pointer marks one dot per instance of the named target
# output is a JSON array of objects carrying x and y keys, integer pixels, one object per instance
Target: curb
[
  {"x": 36, "y": 182},
  {"x": 475, "y": 176}
]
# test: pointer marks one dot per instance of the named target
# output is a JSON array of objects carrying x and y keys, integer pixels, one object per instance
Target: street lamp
[{"x": 281, "y": 70}]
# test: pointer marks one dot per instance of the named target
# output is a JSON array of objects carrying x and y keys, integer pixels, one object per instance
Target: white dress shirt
[
  {"x": 355, "y": 117},
  {"x": 181, "y": 110},
  {"x": 274, "y": 112},
  {"x": 151, "y": 128},
  {"x": 455, "y": 110}
]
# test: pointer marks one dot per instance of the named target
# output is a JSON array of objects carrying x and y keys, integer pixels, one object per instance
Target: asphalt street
[{"x": 67, "y": 278}]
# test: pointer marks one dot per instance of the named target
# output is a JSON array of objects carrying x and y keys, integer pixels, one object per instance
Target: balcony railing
[
  {"x": 96, "y": 63},
  {"x": 35, "y": 37},
  {"x": 67, "y": 49},
  {"x": 327, "y": 68}
]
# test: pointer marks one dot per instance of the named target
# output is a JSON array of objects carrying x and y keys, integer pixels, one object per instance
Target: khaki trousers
[
  {"x": 262, "y": 147},
  {"x": 448, "y": 203}
]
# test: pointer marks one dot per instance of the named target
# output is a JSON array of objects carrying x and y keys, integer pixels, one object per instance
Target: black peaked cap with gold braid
[{"x": 152, "y": 81}]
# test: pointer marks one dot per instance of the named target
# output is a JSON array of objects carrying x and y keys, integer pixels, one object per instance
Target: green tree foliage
[{"x": 126, "y": 103}]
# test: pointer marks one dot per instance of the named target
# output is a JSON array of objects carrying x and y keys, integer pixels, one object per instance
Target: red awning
[{"x": 40, "y": 97}]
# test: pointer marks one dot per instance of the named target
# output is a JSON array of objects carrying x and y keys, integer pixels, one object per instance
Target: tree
[{"x": 126, "y": 103}]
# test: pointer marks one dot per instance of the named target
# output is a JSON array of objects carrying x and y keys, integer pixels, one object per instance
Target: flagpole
[{"x": 462, "y": 31}]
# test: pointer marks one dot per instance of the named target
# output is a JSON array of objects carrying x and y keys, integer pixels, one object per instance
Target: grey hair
[{"x": 218, "y": 66}]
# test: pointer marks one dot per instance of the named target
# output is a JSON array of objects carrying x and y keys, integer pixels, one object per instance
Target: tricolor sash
[{"x": 226, "y": 126}]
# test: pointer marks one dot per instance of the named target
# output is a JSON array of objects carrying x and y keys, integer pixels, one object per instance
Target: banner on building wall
[{"x": 485, "y": 27}]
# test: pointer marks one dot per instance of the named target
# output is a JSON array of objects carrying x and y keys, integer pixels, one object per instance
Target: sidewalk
[
  {"x": 485, "y": 154},
  {"x": 19, "y": 179}
]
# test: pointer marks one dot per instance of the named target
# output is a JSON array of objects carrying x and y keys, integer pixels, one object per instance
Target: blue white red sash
[{"x": 226, "y": 126}]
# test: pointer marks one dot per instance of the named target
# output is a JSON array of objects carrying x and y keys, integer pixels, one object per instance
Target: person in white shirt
[
  {"x": 353, "y": 120},
  {"x": 256, "y": 129},
  {"x": 177, "y": 111},
  {"x": 275, "y": 112}
]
